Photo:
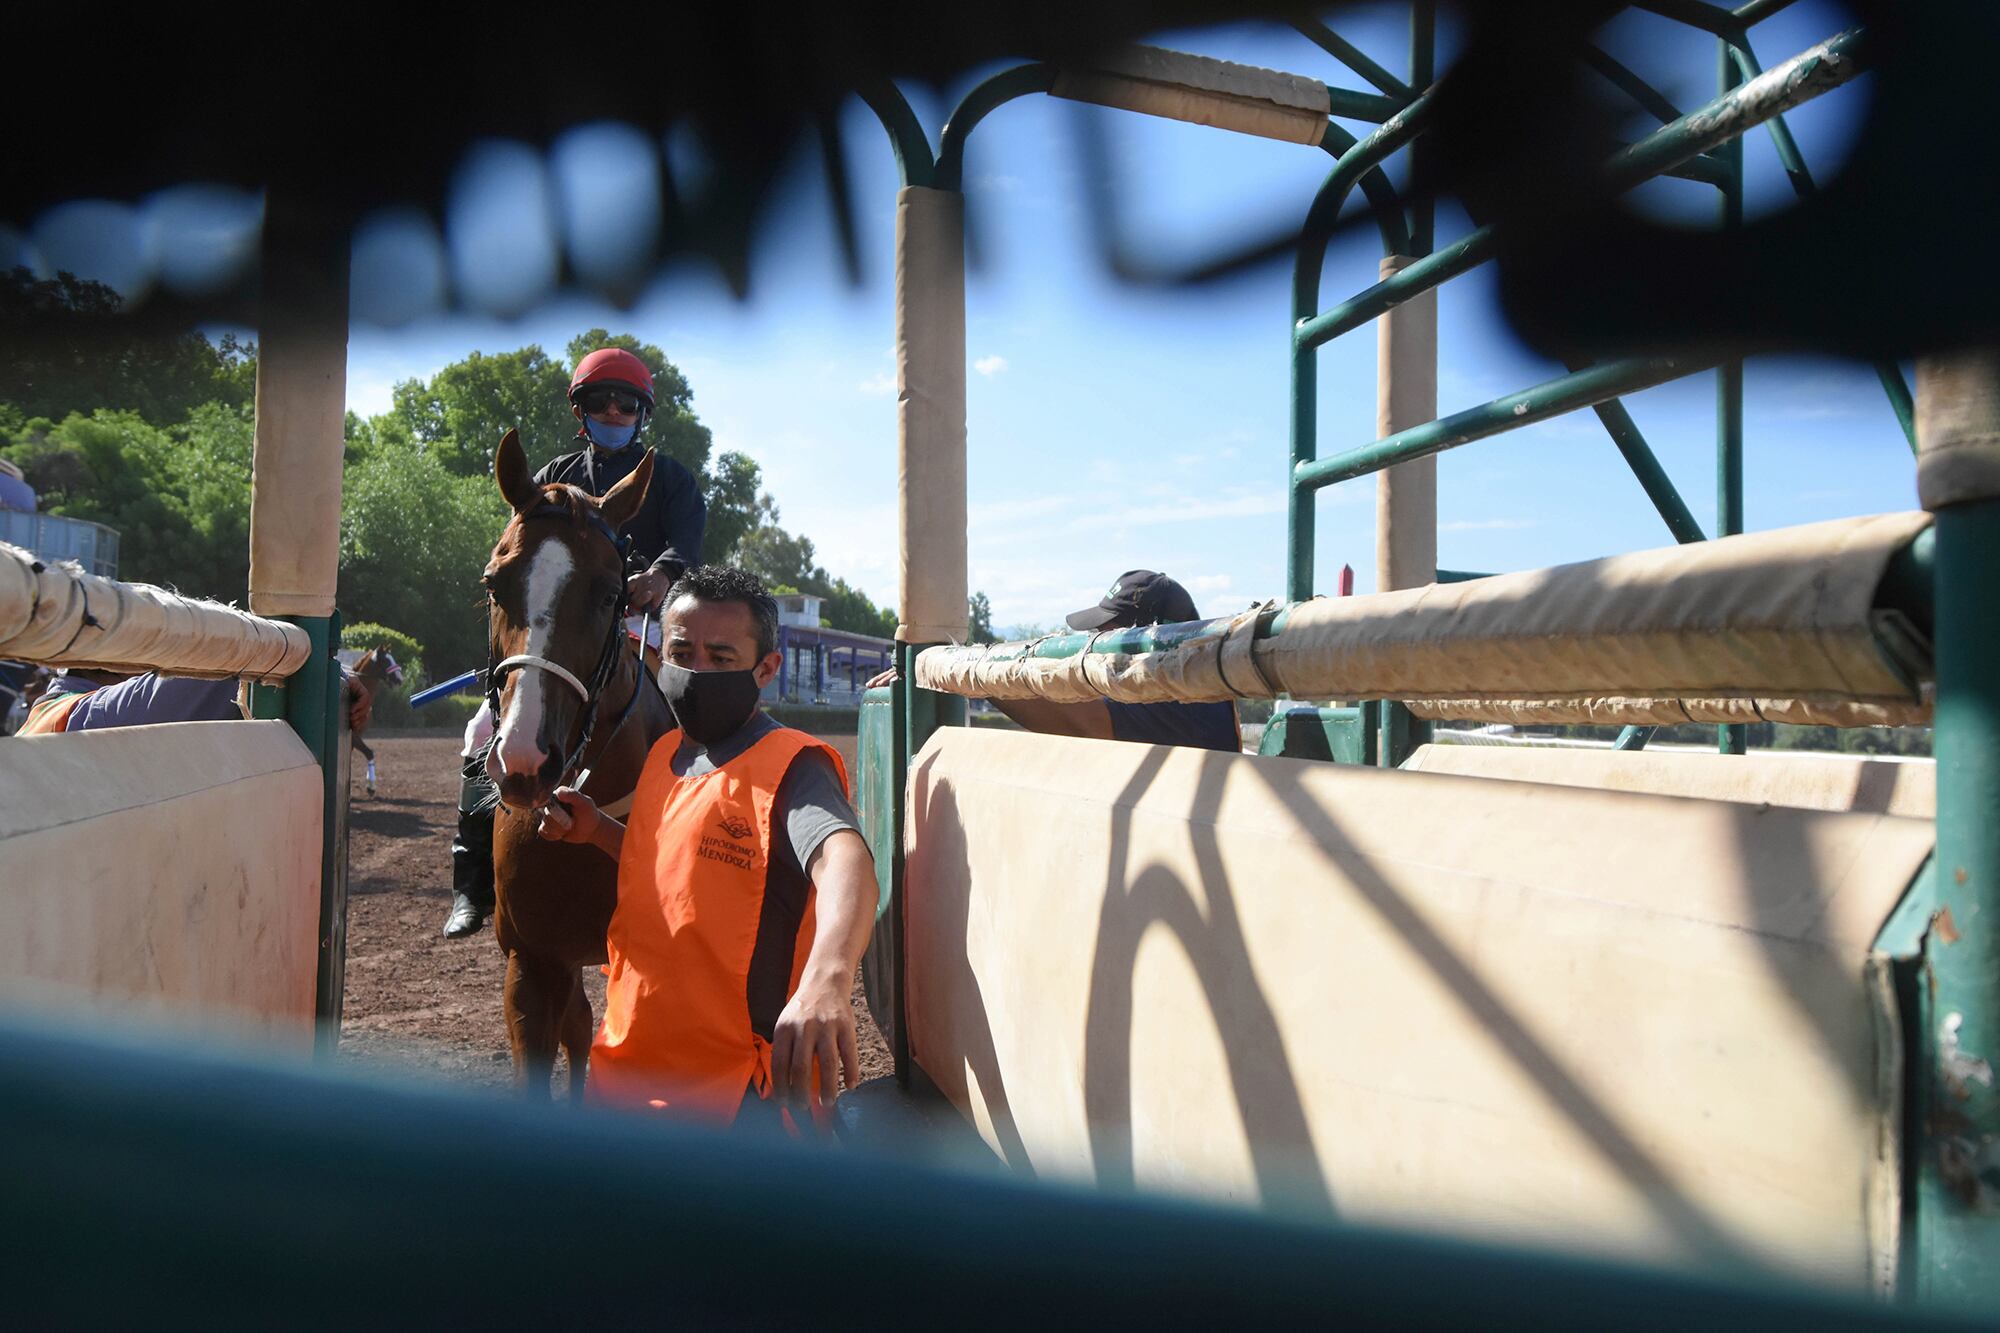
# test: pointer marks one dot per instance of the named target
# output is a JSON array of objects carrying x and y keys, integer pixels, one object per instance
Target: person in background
[
  {"x": 745, "y": 892},
  {"x": 611, "y": 397},
  {"x": 80, "y": 700},
  {"x": 1139, "y": 598}
]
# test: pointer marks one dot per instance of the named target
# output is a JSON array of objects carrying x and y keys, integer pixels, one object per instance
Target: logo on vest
[{"x": 730, "y": 851}]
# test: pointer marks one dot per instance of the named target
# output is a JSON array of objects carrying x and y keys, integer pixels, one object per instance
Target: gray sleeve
[{"x": 811, "y": 807}]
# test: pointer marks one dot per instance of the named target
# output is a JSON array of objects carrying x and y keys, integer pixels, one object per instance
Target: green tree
[
  {"x": 737, "y": 504},
  {"x": 66, "y": 346},
  {"x": 366, "y": 634},
  {"x": 460, "y": 413},
  {"x": 782, "y": 560},
  {"x": 413, "y": 539},
  {"x": 979, "y": 616}
]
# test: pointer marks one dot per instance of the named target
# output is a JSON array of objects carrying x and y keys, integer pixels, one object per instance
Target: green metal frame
[{"x": 1949, "y": 985}]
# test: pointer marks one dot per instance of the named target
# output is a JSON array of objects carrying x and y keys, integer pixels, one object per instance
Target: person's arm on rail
[
  {"x": 573, "y": 817},
  {"x": 819, "y": 1020},
  {"x": 1090, "y": 719}
]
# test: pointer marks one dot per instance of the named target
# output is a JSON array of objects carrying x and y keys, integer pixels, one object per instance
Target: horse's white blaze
[{"x": 518, "y": 747}]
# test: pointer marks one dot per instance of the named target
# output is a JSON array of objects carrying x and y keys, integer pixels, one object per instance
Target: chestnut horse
[
  {"x": 572, "y": 703},
  {"x": 375, "y": 668}
]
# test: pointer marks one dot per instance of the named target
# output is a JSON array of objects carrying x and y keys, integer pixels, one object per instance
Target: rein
[{"x": 607, "y": 661}]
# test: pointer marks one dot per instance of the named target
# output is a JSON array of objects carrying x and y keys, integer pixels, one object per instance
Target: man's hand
[
  {"x": 570, "y": 816},
  {"x": 877, "y": 681},
  {"x": 360, "y": 704},
  {"x": 645, "y": 589},
  {"x": 818, "y": 1024}
]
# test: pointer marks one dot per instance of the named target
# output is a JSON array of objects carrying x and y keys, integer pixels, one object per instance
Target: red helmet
[{"x": 612, "y": 367}]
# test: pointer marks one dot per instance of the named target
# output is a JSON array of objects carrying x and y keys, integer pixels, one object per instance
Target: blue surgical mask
[{"x": 606, "y": 436}]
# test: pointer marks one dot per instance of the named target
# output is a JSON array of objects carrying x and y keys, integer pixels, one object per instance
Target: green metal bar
[
  {"x": 1653, "y": 478},
  {"x": 1756, "y": 11},
  {"x": 1352, "y": 105},
  {"x": 906, "y": 134},
  {"x": 1385, "y": 205},
  {"x": 1648, "y": 97},
  {"x": 1459, "y": 576},
  {"x": 975, "y": 106},
  {"x": 899, "y": 788},
  {"x": 1909, "y": 585},
  {"x": 1352, "y": 56},
  {"x": 1796, "y": 171},
  {"x": 1423, "y": 73},
  {"x": 1730, "y": 737},
  {"x": 1694, "y": 13},
  {"x": 1584, "y": 388},
  {"x": 1633, "y": 738},
  {"x": 1811, "y": 73},
  {"x": 1958, "y": 1182}
]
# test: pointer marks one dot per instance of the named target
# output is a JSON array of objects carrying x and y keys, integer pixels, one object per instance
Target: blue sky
[{"x": 1112, "y": 428}]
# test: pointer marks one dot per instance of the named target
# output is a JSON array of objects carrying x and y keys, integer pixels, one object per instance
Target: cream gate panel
[{"x": 1606, "y": 1020}]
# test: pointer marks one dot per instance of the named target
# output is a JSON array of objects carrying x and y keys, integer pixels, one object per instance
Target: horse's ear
[
  {"x": 622, "y": 501},
  {"x": 510, "y": 469}
]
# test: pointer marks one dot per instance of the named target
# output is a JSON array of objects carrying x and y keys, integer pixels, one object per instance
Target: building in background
[
  {"x": 91, "y": 545},
  {"x": 820, "y": 665}
]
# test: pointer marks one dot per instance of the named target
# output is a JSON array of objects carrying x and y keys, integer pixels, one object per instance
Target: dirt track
[{"x": 415, "y": 1000}]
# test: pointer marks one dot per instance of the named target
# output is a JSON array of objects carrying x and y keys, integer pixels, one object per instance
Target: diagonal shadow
[
  {"x": 1558, "y": 1087},
  {"x": 945, "y": 847},
  {"x": 1282, "y": 1152}
]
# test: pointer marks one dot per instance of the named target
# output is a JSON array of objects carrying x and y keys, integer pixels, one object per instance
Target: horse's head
[
  {"x": 379, "y": 664},
  {"x": 556, "y": 586}
]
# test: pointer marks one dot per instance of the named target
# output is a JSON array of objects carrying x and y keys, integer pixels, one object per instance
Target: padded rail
[
  {"x": 165, "y": 871},
  {"x": 57, "y": 615},
  {"x": 1605, "y": 1020},
  {"x": 1202, "y": 91},
  {"x": 1797, "y": 780},
  {"x": 1788, "y": 625}
]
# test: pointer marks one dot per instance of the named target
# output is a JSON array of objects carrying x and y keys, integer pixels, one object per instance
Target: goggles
[{"x": 596, "y": 402}]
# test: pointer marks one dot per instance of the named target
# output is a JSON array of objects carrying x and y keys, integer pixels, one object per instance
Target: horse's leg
[
  {"x": 577, "y": 1027},
  {"x": 366, "y": 753},
  {"x": 531, "y": 1001}
]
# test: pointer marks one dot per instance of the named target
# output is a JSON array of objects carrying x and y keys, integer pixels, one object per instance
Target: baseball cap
[{"x": 1139, "y": 597}]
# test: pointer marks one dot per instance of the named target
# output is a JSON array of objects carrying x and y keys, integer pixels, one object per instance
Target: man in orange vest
[{"x": 745, "y": 892}]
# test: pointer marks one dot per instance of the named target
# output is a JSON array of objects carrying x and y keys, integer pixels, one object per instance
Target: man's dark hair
[{"x": 726, "y": 583}]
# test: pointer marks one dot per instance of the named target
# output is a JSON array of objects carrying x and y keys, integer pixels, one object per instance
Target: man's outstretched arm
[{"x": 819, "y": 1019}]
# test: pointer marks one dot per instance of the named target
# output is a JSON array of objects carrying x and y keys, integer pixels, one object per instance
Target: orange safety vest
[
  {"x": 702, "y": 957},
  {"x": 50, "y": 716}
]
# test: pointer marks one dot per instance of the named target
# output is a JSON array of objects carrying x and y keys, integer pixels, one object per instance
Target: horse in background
[
  {"x": 574, "y": 705},
  {"x": 376, "y": 669}
]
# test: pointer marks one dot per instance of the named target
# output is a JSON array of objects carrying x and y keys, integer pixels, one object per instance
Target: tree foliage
[
  {"x": 979, "y": 619},
  {"x": 67, "y": 347}
]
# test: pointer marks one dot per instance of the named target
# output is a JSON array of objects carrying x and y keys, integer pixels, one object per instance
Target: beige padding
[
  {"x": 1958, "y": 427},
  {"x": 1785, "y": 617},
  {"x": 167, "y": 872},
  {"x": 1405, "y": 396},
  {"x": 1202, "y": 91},
  {"x": 930, "y": 415},
  {"x": 57, "y": 615},
  {"x": 295, "y": 476},
  {"x": 1607, "y": 1021},
  {"x": 1640, "y": 711},
  {"x": 1798, "y": 780}
]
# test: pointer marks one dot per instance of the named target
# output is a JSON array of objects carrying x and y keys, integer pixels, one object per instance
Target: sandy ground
[{"x": 417, "y": 1002}]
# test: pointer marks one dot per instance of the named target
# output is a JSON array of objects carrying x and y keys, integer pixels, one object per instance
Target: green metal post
[
  {"x": 1730, "y": 737},
  {"x": 1958, "y": 1184},
  {"x": 1423, "y": 72},
  {"x": 1352, "y": 56},
  {"x": 1584, "y": 388},
  {"x": 974, "y": 107}
]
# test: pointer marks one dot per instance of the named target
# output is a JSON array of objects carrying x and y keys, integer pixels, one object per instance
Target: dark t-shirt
[
  {"x": 150, "y": 698},
  {"x": 811, "y": 807},
  {"x": 668, "y": 526},
  {"x": 1202, "y": 726}
]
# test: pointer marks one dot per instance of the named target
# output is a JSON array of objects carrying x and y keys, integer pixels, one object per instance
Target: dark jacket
[{"x": 668, "y": 527}]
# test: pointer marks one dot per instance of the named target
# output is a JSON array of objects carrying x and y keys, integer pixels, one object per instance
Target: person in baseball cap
[{"x": 1139, "y": 597}]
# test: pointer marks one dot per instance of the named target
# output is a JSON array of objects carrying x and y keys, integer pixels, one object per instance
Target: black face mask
[{"x": 709, "y": 705}]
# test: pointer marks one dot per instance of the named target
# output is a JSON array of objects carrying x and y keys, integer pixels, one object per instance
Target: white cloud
[
  {"x": 880, "y": 382},
  {"x": 990, "y": 366}
]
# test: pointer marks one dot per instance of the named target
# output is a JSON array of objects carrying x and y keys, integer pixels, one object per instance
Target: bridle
[{"x": 607, "y": 661}]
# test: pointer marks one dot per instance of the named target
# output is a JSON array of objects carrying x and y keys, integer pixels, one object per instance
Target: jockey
[{"x": 611, "y": 397}]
